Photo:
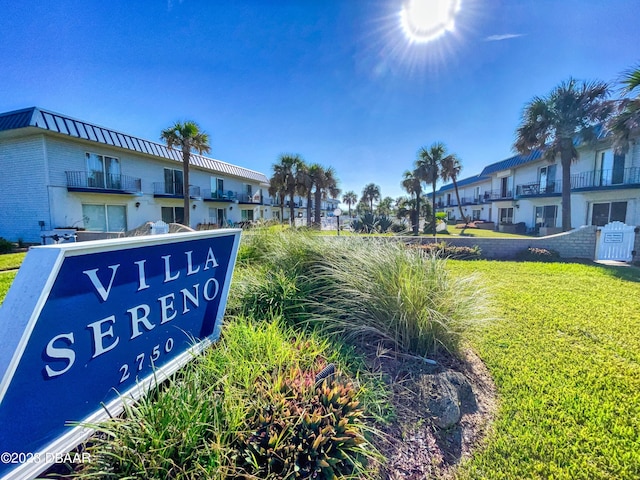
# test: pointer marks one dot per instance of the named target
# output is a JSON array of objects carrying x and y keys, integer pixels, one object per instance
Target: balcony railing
[
  {"x": 101, "y": 181},
  {"x": 497, "y": 195},
  {"x": 606, "y": 178},
  {"x": 539, "y": 189},
  {"x": 175, "y": 189},
  {"x": 593, "y": 179},
  {"x": 248, "y": 198}
]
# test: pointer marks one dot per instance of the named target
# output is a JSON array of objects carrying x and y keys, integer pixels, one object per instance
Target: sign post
[
  {"x": 337, "y": 212},
  {"x": 89, "y": 325}
]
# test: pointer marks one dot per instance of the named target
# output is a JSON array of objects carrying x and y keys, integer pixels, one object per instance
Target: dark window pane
[
  {"x": 179, "y": 215},
  {"x": 618, "y": 211},
  {"x": 600, "y": 216},
  {"x": 167, "y": 214}
]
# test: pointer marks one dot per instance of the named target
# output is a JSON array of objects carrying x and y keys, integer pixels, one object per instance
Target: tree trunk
[
  {"x": 416, "y": 216},
  {"x": 433, "y": 201},
  {"x": 292, "y": 212},
  {"x": 185, "y": 186},
  {"x": 309, "y": 208},
  {"x": 318, "y": 200},
  {"x": 462, "y": 215},
  {"x": 565, "y": 160}
]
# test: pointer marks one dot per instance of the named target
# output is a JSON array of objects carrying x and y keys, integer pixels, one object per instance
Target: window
[
  {"x": 506, "y": 215},
  {"x": 217, "y": 216},
  {"x": 173, "y": 214},
  {"x": 217, "y": 188},
  {"x": 247, "y": 215},
  {"x": 476, "y": 194},
  {"x": 506, "y": 185},
  {"x": 604, "y": 213},
  {"x": 173, "y": 182},
  {"x": 546, "y": 216},
  {"x": 475, "y": 214},
  {"x": 547, "y": 179},
  {"x": 102, "y": 171},
  {"x": 610, "y": 168},
  {"x": 104, "y": 218}
]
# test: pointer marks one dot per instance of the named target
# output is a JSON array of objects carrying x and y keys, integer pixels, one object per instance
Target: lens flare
[{"x": 427, "y": 20}]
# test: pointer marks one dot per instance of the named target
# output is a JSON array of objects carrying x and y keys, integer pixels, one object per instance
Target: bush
[
  {"x": 445, "y": 250},
  {"x": 218, "y": 414},
  {"x": 5, "y": 246},
  {"x": 366, "y": 290},
  {"x": 303, "y": 431},
  {"x": 532, "y": 254}
]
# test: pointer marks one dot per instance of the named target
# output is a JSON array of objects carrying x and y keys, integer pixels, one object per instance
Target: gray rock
[{"x": 440, "y": 395}]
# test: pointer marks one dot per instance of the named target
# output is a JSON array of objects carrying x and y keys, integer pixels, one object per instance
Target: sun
[{"x": 427, "y": 20}]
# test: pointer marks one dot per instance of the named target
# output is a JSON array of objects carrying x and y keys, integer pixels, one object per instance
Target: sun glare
[{"x": 427, "y": 20}]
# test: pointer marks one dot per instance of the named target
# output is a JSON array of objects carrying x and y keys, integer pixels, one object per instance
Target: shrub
[
  {"x": 533, "y": 254},
  {"x": 446, "y": 250},
  {"x": 365, "y": 290},
  {"x": 303, "y": 431},
  {"x": 5, "y": 246},
  {"x": 399, "y": 228},
  {"x": 212, "y": 419}
]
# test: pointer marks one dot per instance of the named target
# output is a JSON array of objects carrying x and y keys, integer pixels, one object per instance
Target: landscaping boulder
[{"x": 443, "y": 393}]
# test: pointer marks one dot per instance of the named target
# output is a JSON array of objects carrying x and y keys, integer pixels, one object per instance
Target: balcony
[
  {"x": 537, "y": 189},
  {"x": 220, "y": 196},
  {"x": 494, "y": 195},
  {"x": 608, "y": 179},
  {"x": 174, "y": 190},
  {"x": 99, "y": 182},
  {"x": 256, "y": 198}
]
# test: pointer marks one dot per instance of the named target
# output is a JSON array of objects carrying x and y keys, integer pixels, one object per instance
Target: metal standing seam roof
[
  {"x": 54, "y": 122},
  {"x": 464, "y": 182},
  {"x": 511, "y": 162}
]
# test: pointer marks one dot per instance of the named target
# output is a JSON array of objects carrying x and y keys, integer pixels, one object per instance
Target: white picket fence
[{"x": 616, "y": 242}]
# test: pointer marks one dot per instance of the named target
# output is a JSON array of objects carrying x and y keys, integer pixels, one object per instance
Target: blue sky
[{"x": 336, "y": 81}]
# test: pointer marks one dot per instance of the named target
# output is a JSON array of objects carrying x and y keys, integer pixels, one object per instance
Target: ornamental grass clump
[{"x": 368, "y": 291}]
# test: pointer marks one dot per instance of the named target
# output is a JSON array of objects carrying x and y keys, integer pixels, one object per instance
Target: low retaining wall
[{"x": 578, "y": 243}]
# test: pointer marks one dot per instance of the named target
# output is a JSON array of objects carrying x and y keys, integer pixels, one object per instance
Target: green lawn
[
  {"x": 564, "y": 350},
  {"x": 477, "y": 232},
  {"x": 11, "y": 261}
]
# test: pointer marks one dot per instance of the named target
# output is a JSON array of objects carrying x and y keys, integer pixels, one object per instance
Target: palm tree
[
  {"x": 188, "y": 137},
  {"x": 286, "y": 173},
  {"x": 428, "y": 166},
  {"x": 412, "y": 183},
  {"x": 450, "y": 168},
  {"x": 350, "y": 198},
  {"x": 306, "y": 181},
  {"x": 552, "y": 123},
  {"x": 627, "y": 118},
  {"x": 326, "y": 186},
  {"x": 385, "y": 207},
  {"x": 370, "y": 193},
  {"x": 277, "y": 189}
]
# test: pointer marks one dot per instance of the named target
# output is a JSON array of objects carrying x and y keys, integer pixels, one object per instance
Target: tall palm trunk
[
  {"x": 433, "y": 201},
  {"x": 309, "y": 207},
  {"x": 292, "y": 211},
  {"x": 455, "y": 186},
  {"x": 318, "y": 199},
  {"x": 416, "y": 217},
  {"x": 185, "y": 186},
  {"x": 566, "y": 158}
]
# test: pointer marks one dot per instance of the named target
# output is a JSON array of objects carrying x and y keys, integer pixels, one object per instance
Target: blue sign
[{"x": 86, "y": 325}]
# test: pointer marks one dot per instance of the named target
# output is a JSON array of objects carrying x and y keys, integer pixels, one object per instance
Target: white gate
[
  {"x": 159, "y": 227},
  {"x": 616, "y": 242}
]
